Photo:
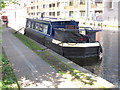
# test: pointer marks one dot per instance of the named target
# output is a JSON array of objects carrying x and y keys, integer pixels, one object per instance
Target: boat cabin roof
[{"x": 47, "y": 20}]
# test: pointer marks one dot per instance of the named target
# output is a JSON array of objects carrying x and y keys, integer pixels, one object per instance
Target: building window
[
  {"x": 38, "y": 13},
  {"x": 37, "y": 7},
  {"x": 70, "y": 13},
  {"x": 50, "y": 5},
  {"x": 82, "y": 13},
  {"x": 82, "y": 1},
  {"x": 50, "y": 13},
  {"x": 58, "y": 13},
  {"x": 54, "y": 5},
  {"x": 32, "y": 1},
  {"x": 58, "y": 4},
  {"x": 71, "y": 3},
  {"x": 32, "y": 13},
  {"x": 32, "y": 8},
  {"x": 53, "y": 13},
  {"x": 98, "y": 1},
  {"x": 110, "y": 4},
  {"x": 44, "y": 6},
  {"x": 43, "y": 14},
  {"x": 98, "y": 11}
]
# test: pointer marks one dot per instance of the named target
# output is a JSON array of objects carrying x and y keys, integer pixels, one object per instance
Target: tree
[{"x": 3, "y": 3}]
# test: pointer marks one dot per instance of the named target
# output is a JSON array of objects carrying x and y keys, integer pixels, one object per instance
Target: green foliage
[
  {"x": 8, "y": 78},
  {"x": 3, "y": 3}
]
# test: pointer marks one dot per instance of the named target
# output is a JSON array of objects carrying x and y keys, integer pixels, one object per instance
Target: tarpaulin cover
[{"x": 68, "y": 36}]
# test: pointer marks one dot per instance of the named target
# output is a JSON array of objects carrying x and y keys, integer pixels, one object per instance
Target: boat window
[
  {"x": 41, "y": 27},
  {"x": 28, "y": 24},
  {"x": 37, "y": 25},
  {"x": 45, "y": 29},
  {"x": 32, "y": 25},
  {"x": 82, "y": 31}
]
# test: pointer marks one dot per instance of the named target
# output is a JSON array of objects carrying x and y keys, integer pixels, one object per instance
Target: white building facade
[
  {"x": 111, "y": 14},
  {"x": 74, "y": 9},
  {"x": 87, "y": 12},
  {"x": 17, "y": 14}
]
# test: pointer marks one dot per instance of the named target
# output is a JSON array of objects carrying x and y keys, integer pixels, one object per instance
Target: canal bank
[{"x": 97, "y": 79}]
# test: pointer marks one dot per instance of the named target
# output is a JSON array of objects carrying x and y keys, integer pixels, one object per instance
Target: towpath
[{"x": 31, "y": 71}]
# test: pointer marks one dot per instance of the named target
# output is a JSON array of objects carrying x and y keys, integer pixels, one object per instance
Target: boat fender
[{"x": 101, "y": 50}]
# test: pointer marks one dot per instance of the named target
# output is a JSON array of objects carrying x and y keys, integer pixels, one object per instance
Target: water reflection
[
  {"x": 90, "y": 63},
  {"x": 109, "y": 64}
]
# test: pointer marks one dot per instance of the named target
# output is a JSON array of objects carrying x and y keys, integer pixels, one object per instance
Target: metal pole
[
  {"x": 87, "y": 9},
  {"x": 15, "y": 14}
]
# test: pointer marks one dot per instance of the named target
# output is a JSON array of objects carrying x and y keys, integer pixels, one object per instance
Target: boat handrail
[{"x": 63, "y": 29}]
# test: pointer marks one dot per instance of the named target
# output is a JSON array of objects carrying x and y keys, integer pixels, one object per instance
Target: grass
[
  {"x": 9, "y": 80},
  {"x": 27, "y": 42},
  {"x": 62, "y": 68}
]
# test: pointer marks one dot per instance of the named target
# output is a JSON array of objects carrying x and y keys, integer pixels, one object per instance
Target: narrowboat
[{"x": 63, "y": 36}]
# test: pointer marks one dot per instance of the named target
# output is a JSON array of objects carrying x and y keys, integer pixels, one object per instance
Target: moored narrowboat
[{"x": 63, "y": 37}]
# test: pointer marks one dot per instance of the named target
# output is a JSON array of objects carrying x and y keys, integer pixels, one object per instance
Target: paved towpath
[{"x": 31, "y": 70}]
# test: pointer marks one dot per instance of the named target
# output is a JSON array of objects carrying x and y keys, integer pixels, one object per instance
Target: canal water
[{"x": 107, "y": 65}]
